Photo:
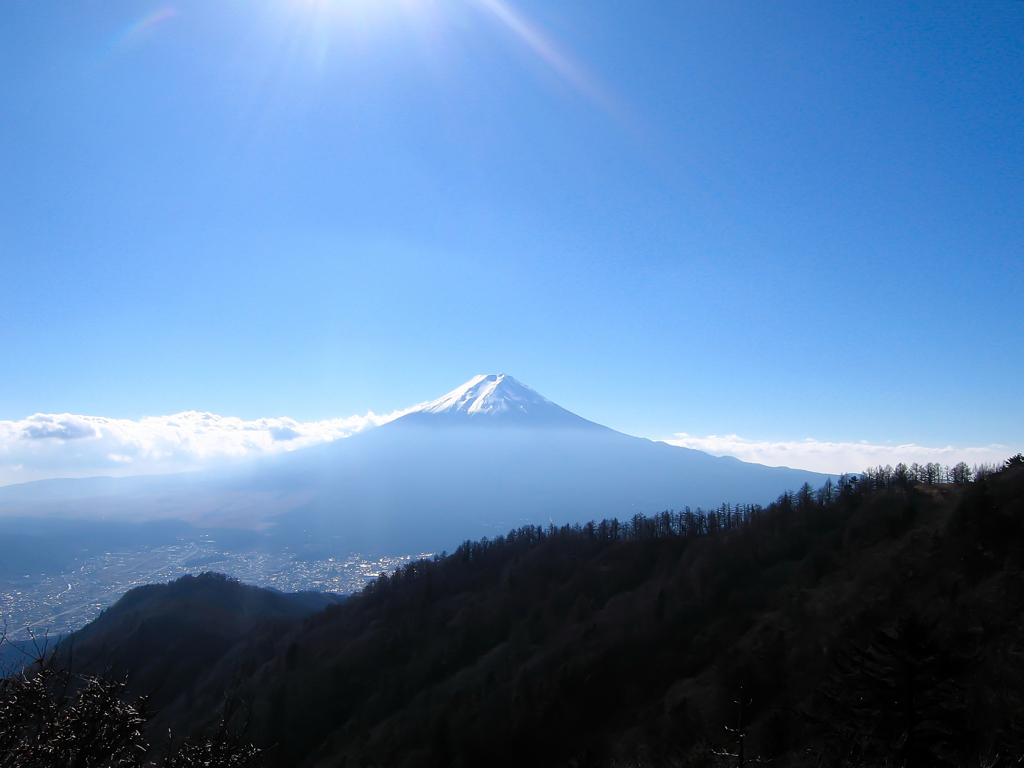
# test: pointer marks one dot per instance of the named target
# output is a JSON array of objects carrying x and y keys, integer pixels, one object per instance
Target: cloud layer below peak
[
  {"x": 836, "y": 458},
  {"x": 49, "y": 445},
  {"x": 66, "y": 445}
]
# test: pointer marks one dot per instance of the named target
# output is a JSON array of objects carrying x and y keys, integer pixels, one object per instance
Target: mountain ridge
[{"x": 592, "y": 644}]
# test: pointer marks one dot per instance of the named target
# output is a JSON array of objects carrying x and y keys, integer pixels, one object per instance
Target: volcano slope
[
  {"x": 880, "y": 627},
  {"x": 488, "y": 456}
]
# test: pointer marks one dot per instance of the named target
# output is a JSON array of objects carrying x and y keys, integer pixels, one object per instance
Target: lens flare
[
  {"x": 135, "y": 31},
  {"x": 154, "y": 18}
]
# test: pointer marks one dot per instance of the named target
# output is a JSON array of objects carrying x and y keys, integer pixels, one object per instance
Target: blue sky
[{"x": 776, "y": 220}]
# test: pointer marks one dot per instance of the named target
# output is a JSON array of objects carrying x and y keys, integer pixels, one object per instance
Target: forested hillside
[{"x": 873, "y": 622}]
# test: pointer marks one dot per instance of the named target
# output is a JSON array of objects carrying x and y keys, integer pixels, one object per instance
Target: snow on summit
[
  {"x": 494, "y": 398},
  {"x": 492, "y": 393}
]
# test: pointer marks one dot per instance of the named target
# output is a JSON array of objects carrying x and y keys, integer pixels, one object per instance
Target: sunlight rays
[
  {"x": 312, "y": 29},
  {"x": 533, "y": 37},
  {"x": 323, "y": 18}
]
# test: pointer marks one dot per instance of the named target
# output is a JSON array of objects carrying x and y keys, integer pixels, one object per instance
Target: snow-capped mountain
[
  {"x": 490, "y": 455},
  {"x": 494, "y": 399},
  {"x": 490, "y": 395}
]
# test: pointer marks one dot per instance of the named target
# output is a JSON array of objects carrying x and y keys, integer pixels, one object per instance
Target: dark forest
[{"x": 874, "y": 621}]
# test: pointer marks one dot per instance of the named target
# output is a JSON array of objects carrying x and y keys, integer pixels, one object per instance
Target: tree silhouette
[{"x": 51, "y": 717}]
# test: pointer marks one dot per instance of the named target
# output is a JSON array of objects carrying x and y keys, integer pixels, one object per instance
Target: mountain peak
[
  {"x": 495, "y": 398},
  {"x": 488, "y": 394}
]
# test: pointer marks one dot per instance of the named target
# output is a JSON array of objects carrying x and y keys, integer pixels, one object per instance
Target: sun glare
[{"x": 359, "y": 19}]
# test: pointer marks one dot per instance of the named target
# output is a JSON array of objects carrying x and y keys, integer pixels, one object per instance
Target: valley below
[{"x": 55, "y": 604}]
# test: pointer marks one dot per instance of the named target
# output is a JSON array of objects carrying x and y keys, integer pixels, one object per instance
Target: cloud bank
[
  {"x": 835, "y": 458},
  {"x": 50, "y": 445},
  {"x": 65, "y": 445}
]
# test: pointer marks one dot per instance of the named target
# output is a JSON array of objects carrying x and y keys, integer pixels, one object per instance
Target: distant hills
[
  {"x": 882, "y": 627},
  {"x": 490, "y": 455}
]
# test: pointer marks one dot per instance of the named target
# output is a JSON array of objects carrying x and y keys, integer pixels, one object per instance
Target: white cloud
[
  {"x": 65, "y": 445},
  {"x": 835, "y": 458}
]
